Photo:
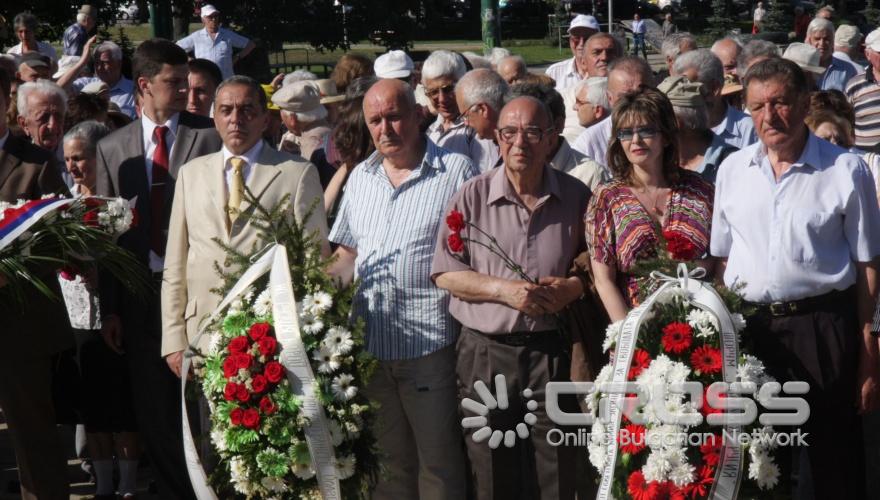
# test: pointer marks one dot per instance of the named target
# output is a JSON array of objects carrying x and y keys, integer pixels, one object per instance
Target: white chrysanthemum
[
  {"x": 338, "y": 340},
  {"x": 311, "y": 325},
  {"x": 704, "y": 323},
  {"x": 682, "y": 474},
  {"x": 219, "y": 440},
  {"x": 750, "y": 369},
  {"x": 235, "y": 307},
  {"x": 597, "y": 455},
  {"x": 263, "y": 304},
  {"x": 329, "y": 361},
  {"x": 320, "y": 303},
  {"x": 248, "y": 294},
  {"x": 611, "y": 335},
  {"x": 677, "y": 373},
  {"x": 273, "y": 484},
  {"x": 674, "y": 295},
  {"x": 666, "y": 436},
  {"x": 239, "y": 475},
  {"x": 739, "y": 322},
  {"x": 654, "y": 376},
  {"x": 343, "y": 390},
  {"x": 302, "y": 471},
  {"x": 657, "y": 466},
  {"x": 345, "y": 466},
  {"x": 763, "y": 471}
]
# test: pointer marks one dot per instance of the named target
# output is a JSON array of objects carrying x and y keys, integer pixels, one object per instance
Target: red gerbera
[
  {"x": 706, "y": 360},
  {"x": 633, "y": 438},
  {"x": 701, "y": 485},
  {"x": 455, "y": 221},
  {"x": 677, "y": 337},
  {"x": 641, "y": 359},
  {"x": 711, "y": 450},
  {"x": 640, "y": 489}
]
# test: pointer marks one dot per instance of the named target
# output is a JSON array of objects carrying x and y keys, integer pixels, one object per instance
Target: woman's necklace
[{"x": 652, "y": 202}]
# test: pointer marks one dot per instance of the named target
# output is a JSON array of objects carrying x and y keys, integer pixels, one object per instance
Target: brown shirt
[{"x": 543, "y": 242}]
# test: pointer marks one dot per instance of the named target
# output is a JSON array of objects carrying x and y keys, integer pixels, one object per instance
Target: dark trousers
[
  {"x": 532, "y": 469},
  {"x": 156, "y": 397},
  {"x": 819, "y": 347}
]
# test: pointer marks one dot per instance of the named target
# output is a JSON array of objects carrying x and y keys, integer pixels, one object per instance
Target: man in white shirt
[
  {"x": 639, "y": 28},
  {"x": 570, "y": 71},
  {"x": 796, "y": 221},
  {"x": 26, "y": 25},
  {"x": 215, "y": 43}
]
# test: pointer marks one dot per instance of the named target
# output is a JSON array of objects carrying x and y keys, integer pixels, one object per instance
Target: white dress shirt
[
  {"x": 578, "y": 166},
  {"x": 736, "y": 129},
  {"x": 250, "y": 158},
  {"x": 573, "y": 127},
  {"x": 157, "y": 263},
  {"x": 217, "y": 49},
  {"x": 565, "y": 73},
  {"x": 799, "y": 236},
  {"x": 594, "y": 142}
]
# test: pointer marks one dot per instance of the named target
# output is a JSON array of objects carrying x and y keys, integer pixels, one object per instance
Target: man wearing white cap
[
  {"x": 215, "y": 43},
  {"x": 847, "y": 39},
  {"x": 394, "y": 64},
  {"x": 863, "y": 93},
  {"x": 820, "y": 34},
  {"x": 571, "y": 71},
  {"x": 304, "y": 116}
]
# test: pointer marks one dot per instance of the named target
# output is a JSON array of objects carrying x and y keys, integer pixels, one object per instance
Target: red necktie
[{"x": 157, "y": 191}]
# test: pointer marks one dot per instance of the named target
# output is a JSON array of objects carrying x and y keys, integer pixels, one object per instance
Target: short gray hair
[
  {"x": 671, "y": 47},
  {"x": 753, "y": 50},
  {"x": 111, "y": 47},
  {"x": 477, "y": 61},
  {"x": 633, "y": 65},
  {"x": 443, "y": 63},
  {"x": 89, "y": 133},
  {"x": 483, "y": 85},
  {"x": 26, "y": 20},
  {"x": 692, "y": 118},
  {"x": 708, "y": 66},
  {"x": 40, "y": 87},
  {"x": 820, "y": 24},
  {"x": 298, "y": 76},
  {"x": 497, "y": 54},
  {"x": 597, "y": 91},
  {"x": 730, "y": 38}
]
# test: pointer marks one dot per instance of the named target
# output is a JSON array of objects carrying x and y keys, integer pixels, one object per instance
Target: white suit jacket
[{"x": 199, "y": 215}]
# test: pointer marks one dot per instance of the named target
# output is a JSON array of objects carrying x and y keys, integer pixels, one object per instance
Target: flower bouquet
[
  {"x": 282, "y": 376},
  {"x": 650, "y": 439}
]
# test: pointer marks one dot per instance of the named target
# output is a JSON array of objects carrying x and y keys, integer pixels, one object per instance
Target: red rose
[
  {"x": 455, "y": 221},
  {"x": 235, "y": 416},
  {"x": 243, "y": 360},
  {"x": 455, "y": 242},
  {"x": 641, "y": 359},
  {"x": 676, "y": 337},
  {"x": 706, "y": 359},
  {"x": 230, "y": 368},
  {"x": 91, "y": 218},
  {"x": 242, "y": 394},
  {"x": 273, "y": 371},
  {"x": 267, "y": 406},
  {"x": 679, "y": 246},
  {"x": 230, "y": 391},
  {"x": 267, "y": 345},
  {"x": 259, "y": 383},
  {"x": 238, "y": 344},
  {"x": 259, "y": 330},
  {"x": 251, "y": 418}
]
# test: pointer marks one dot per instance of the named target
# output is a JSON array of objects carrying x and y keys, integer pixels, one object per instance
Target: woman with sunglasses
[{"x": 648, "y": 201}]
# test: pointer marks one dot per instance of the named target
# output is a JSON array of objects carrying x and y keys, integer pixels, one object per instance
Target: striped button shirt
[
  {"x": 394, "y": 231},
  {"x": 863, "y": 93}
]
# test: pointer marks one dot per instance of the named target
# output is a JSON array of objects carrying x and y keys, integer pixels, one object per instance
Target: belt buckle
[{"x": 778, "y": 308}]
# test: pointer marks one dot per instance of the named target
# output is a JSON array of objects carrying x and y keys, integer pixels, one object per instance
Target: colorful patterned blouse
[{"x": 620, "y": 231}]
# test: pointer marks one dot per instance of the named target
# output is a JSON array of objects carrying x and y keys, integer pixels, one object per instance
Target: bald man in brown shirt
[{"x": 508, "y": 324}]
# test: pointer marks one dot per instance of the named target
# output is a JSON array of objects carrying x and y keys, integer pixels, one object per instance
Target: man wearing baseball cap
[
  {"x": 847, "y": 39},
  {"x": 34, "y": 66},
  {"x": 394, "y": 64},
  {"x": 570, "y": 71},
  {"x": 215, "y": 43},
  {"x": 863, "y": 92}
]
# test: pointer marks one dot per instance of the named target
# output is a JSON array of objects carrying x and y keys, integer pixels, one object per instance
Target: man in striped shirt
[
  {"x": 386, "y": 231},
  {"x": 863, "y": 92}
]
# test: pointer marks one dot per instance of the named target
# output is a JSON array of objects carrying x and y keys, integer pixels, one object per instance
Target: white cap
[
  {"x": 302, "y": 98},
  {"x": 805, "y": 56},
  {"x": 208, "y": 9},
  {"x": 65, "y": 64},
  {"x": 393, "y": 64},
  {"x": 847, "y": 35},
  {"x": 584, "y": 21},
  {"x": 872, "y": 41}
]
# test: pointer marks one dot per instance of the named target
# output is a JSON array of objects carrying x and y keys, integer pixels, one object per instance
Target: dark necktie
[{"x": 157, "y": 191}]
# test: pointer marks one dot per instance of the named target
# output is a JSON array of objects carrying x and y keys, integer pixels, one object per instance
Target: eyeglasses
[
  {"x": 463, "y": 117},
  {"x": 627, "y": 134},
  {"x": 532, "y": 135},
  {"x": 446, "y": 89}
]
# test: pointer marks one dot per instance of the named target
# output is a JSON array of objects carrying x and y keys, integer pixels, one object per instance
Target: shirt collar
[
  {"x": 431, "y": 159},
  {"x": 499, "y": 186},
  {"x": 251, "y": 156},
  {"x": 811, "y": 156},
  {"x": 149, "y": 125}
]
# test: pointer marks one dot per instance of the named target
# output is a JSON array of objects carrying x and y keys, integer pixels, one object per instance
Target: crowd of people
[{"x": 764, "y": 161}]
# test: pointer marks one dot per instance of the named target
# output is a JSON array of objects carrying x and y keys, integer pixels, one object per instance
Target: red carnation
[
  {"x": 456, "y": 244},
  {"x": 635, "y": 439},
  {"x": 267, "y": 406},
  {"x": 455, "y": 221},
  {"x": 243, "y": 360},
  {"x": 259, "y": 330},
  {"x": 230, "y": 391},
  {"x": 273, "y": 371},
  {"x": 640, "y": 489},
  {"x": 230, "y": 368},
  {"x": 711, "y": 450},
  {"x": 238, "y": 344},
  {"x": 242, "y": 394},
  {"x": 259, "y": 383},
  {"x": 679, "y": 246},
  {"x": 267, "y": 345},
  {"x": 235, "y": 416},
  {"x": 251, "y": 418},
  {"x": 641, "y": 359},
  {"x": 706, "y": 359},
  {"x": 677, "y": 337}
]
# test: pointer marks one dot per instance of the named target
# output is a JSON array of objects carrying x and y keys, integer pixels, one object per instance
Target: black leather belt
[
  {"x": 517, "y": 338},
  {"x": 800, "y": 306}
]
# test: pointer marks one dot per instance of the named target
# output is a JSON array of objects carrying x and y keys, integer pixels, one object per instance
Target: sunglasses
[{"x": 627, "y": 134}]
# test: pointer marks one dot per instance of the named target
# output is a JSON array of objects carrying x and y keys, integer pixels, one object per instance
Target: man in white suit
[{"x": 209, "y": 203}]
